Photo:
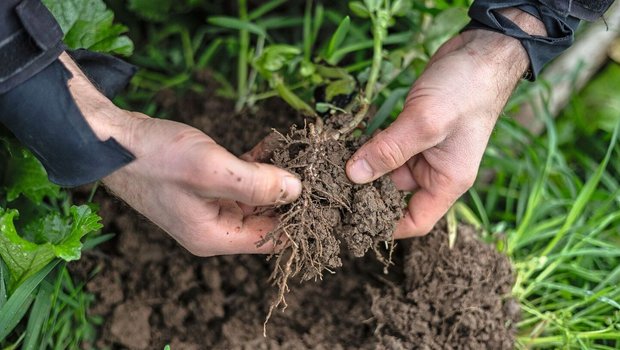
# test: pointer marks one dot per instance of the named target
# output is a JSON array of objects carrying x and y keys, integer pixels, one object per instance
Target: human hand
[
  {"x": 435, "y": 146},
  {"x": 184, "y": 182}
]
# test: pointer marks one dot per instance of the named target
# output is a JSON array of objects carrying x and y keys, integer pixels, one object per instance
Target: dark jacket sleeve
[
  {"x": 35, "y": 101},
  {"x": 588, "y": 10}
]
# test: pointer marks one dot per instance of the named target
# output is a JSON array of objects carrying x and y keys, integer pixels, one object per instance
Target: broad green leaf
[
  {"x": 90, "y": 25},
  {"x": 50, "y": 228},
  {"x": 23, "y": 258},
  {"x": 237, "y": 24},
  {"x": 24, "y": 174},
  {"x": 338, "y": 37},
  {"x": 274, "y": 57}
]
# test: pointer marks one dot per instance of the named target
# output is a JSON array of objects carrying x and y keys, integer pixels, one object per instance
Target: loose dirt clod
[{"x": 331, "y": 209}]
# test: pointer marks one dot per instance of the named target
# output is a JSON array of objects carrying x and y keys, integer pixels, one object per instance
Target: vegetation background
[{"x": 552, "y": 203}]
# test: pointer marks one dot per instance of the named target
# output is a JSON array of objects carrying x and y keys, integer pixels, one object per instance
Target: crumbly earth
[
  {"x": 330, "y": 209},
  {"x": 151, "y": 292}
]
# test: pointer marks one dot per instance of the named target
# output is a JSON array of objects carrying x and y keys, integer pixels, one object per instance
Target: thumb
[
  {"x": 252, "y": 183},
  {"x": 409, "y": 135}
]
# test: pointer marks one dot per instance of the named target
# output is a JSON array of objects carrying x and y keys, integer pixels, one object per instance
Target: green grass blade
[
  {"x": 205, "y": 58},
  {"x": 307, "y": 39},
  {"x": 38, "y": 317},
  {"x": 584, "y": 195},
  {"x": 536, "y": 195},
  {"x": 91, "y": 243},
  {"x": 4, "y": 280},
  {"x": 338, "y": 37},
  {"x": 237, "y": 24},
  {"x": 317, "y": 21},
  {"x": 17, "y": 305},
  {"x": 264, "y": 9},
  {"x": 613, "y": 279},
  {"x": 386, "y": 109}
]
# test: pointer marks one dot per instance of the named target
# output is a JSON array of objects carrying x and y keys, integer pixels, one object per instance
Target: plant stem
[
  {"x": 377, "y": 49},
  {"x": 291, "y": 98},
  {"x": 242, "y": 63},
  {"x": 379, "y": 23}
]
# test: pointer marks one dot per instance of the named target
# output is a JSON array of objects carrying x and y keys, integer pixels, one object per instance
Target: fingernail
[
  {"x": 360, "y": 171},
  {"x": 291, "y": 188}
]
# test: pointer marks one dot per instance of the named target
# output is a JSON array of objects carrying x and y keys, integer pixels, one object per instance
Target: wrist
[{"x": 500, "y": 51}]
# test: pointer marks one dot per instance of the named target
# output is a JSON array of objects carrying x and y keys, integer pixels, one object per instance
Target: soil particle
[{"x": 130, "y": 325}]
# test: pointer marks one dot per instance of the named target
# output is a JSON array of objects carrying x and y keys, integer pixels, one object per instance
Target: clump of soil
[
  {"x": 432, "y": 298},
  {"x": 448, "y": 294},
  {"x": 330, "y": 209}
]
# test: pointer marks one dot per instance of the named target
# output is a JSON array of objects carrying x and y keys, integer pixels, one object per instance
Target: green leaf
[
  {"x": 386, "y": 109},
  {"x": 373, "y": 5},
  {"x": 359, "y": 9},
  {"x": 24, "y": 174},
  {"x": 264, "y": 9},
  {"x": 237, "y": 24},
  {"x": 154, "y": 10},
  {"x": 338, "y": 37},
  {"x": 88, "y": 24},
  {"x": 16, "y": 307},
  {"x": 50, "y": 228},
  {"x": 345, "y": 86},
  {"x": 24, "y": 258},
  {"x": 4, "y": 281},
  {"x": 399, "y": 7},
  {"x": 274, "y": 57},
  {"x": 39, "y": 314}
]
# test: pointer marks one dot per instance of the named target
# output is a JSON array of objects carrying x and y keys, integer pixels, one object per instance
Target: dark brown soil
[
  {"x": 151, "y": 292},
  {"x": 330, "y": 209}
]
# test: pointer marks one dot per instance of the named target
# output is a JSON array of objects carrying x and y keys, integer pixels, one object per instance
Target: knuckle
[
  {"x": 465, "y": 182},
  {"x": 430, "y": 126},
  {"x": 389, "y": 153}
]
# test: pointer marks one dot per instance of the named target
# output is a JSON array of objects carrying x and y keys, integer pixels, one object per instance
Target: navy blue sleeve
[
  {"x": 589, "y": 10},
  {"x": 35, "y": 101}
]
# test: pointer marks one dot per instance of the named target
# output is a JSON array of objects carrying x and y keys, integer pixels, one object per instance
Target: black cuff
[
  {"x": 35, "y": 101},
  {"x": 588, "y": 10},
  {"x": 30, "y": 39},
  {"x": 540, "y": 49},
  {"x": 42, "y": 114}
]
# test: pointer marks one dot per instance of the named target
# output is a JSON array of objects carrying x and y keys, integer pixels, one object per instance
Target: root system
[{"x": 331, "y": 210}]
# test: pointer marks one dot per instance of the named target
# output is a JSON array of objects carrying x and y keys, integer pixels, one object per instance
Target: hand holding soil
[
  {"x": 435, "y": 146},
  {"x": 183, "y": 181}
]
